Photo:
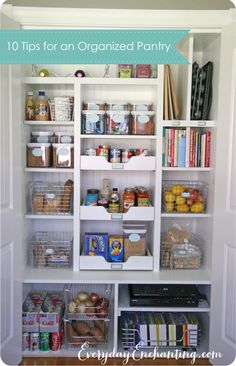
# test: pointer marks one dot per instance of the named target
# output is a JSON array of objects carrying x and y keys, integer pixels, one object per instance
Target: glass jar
[
  {"x": 128, "y": 199},
  {"x": 142, "y": 197}
]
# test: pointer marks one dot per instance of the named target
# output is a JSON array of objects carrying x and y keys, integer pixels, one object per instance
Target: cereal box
[
  {"x": 96, "y": 244},
  {"x": 116, "y": 248}
]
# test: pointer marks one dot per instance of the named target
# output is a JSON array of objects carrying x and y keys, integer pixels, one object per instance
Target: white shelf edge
[
  {"x": 49, "y": 170},
  {"x": 185, "y": 169},
  {"x": 126, "y": 137},
  {"x": 49, "y": 217},
  {"x": 136, "y": 163},
  {"x": 188, "y": 123},
  {"x": 49, "y": 123},
  {"x": 90, "y": 80},
  {"x": 99, "y": 213},
  {"x": 49, "y": 80},
  {"x": 186, "y": 215}
]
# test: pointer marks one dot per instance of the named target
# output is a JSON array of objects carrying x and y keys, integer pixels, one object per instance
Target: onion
[
  {"x": 102, "y": 312},
  {"x": 94, "y": 297},
  {"x": 81, "y": 308},
  {"x": 82, "y": 296}
]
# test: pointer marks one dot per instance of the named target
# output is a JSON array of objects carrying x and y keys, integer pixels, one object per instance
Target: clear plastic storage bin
[
  {"x": 64, "y": 137},
  {"x": 118, "y": 123},
  {"x": 142, "y": 123},
  {"x": 93, "y": 122},
  {"x": 42, "y": 137},
  {"x": 38, "y": 155},
  {"x": 63, "y": 155}
]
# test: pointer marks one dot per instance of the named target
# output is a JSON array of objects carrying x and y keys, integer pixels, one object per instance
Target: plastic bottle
[
  {"x": 41, "y": 107},
  {"x": 29, "y": 106}
]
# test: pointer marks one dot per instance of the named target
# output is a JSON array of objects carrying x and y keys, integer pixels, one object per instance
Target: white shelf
[
  {"x": 185, "y": 123},
  {"x": 124, "y": 304},
  {"x": 123, "y": 137},
  {"x": 49, "y": 80},
  {"x": 135, "y": 263},
  {"x": 49, "y": 170},
  {"x": 49, "y": 123},
  {"x": 185, "y": 169},
  {"x": 186, "y": 215},
  {"x": 118, "y": 81},
  {"x": 46, "y": 275},
  {"x": 100, "y": 213},
  {"x": 49, "y": 217},
  {"x": 140, "y": 163}
]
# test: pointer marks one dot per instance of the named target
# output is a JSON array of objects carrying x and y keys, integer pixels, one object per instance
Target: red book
[
  {"x": 172, "y": 150},
  {"x": 191, "y": 148},
  {"x": 208, "y": 149}
]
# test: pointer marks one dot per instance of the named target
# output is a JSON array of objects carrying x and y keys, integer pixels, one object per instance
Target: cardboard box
[{"x": 96, "y": 244}]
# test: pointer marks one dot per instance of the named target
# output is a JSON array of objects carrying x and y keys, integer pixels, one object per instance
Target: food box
[
  {"x": 96, "y": 244},
  {"x": 30, "y": 311},
  {"x": 116, "y": 248}
]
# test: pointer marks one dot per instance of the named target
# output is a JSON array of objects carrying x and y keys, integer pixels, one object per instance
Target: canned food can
[
  {"x": 90, "y": 151},
  {"x": 141, "y": 152},
  {"x": 26, "y": 341},
  {"x": 44, "y": 342},
  {"x": 115, "y": 155},
  {"x": 103, "y": 151},
  {"x": 55, "y": 343},
  {"x": 34, "y": 342},
  {"x": 127, "y": 154},
  {"x": 103, "y": 202}
]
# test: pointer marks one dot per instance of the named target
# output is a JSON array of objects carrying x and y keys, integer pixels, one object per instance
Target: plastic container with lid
[
  {"x": 118, "y": 122},
  {"x": 63, "y": 137},
  {"x": 41, "y": 107},
  {"x": 141, "y": 106},
  {"x": 92, "y": 197},
  {"x": 142, "y": 123},
  {"x": 93, "y": 122},
  {"x": 42, "y": 136},
  {"x": 63, "y": 155},
  {"x": 185, "y": 256},
  {"x": 134, "y": 240},
  {"x": 118, "y": 106},
  {"x": 38, "y": 155},
  {"x": 94, "y": 106}
]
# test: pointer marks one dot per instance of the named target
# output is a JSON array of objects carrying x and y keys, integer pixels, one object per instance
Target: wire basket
[
  {"x": 51, "y": 198},
  {"x": 51, "y": 249},
  {"x": 89, "y": 308},
  {"x": 181, "y": 196},
  {"x": 150, "y": 334},
  {"x": 61, "y": 108},
  {"x": 93, "y": 332},
  {"x": 186, "y": 255}
]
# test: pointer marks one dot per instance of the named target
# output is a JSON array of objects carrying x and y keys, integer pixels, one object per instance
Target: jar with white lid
[
  {"x": 142, "y": 123},
  {"x": 42, "y": 136},
  {"x": 93, "y": 122},
  {"x": 63, "y": 137},
  {"x": 118, "y": 122},
  {"x": 38, "y": 155},
  {"x": 63, "y": 155}
]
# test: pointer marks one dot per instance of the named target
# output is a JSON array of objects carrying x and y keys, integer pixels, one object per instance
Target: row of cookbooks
[
  {"x": 189, "y": 147},
  {"x": 161, "y": 329}
]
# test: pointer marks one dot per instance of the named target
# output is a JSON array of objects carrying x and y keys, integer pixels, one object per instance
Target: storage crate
[
  {"x": 187, "y": 255},
  {"x": 181, "y": 196},
  {"x": 51, "y": 198},
  {"x": 51, "y": 249},
  {"x": 61, "y": 108}
]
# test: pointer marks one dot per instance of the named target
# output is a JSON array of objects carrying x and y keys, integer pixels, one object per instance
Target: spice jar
[
  {"x": 142, "y": 197},
  {"x": 128, "y": 199}
]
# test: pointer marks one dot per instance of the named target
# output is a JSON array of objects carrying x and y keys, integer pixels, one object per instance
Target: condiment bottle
[
  {"x": 128, "y": 199},
  {"x": 105, "y": 192},
  {"x": 41, "y": 107},
  {"x": 142, "y": 197},
  {"x": 114, "y": 201},
  {"x": 29, "y": 106}
]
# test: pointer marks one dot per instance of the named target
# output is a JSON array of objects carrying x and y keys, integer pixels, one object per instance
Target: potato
[
  {"x": 71, "y": 334},
  {"x": 81, "y": 328},
  {"x": 97, "y": 333},
  {"x": 100, "y": 324}
]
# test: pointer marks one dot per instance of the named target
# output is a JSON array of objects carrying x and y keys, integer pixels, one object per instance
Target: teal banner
[{"x": 91, "y": 46}]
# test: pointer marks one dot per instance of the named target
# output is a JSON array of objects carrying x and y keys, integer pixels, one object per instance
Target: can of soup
[
  {"x": 26, "y": 341},
  {"x": 141, "y": 152},
  {"x": 103, "y": 151},
  {"x": 34, "y": 342},
  {"x": 115, "y": 156}
]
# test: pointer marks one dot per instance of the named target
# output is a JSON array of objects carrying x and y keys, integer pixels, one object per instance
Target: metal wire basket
[
  {"x": 51, "y": 198},
  {"x": 181, "y": 196},
  {"x": 51, "y": 249},
  {"x": 61, "y": 108}
]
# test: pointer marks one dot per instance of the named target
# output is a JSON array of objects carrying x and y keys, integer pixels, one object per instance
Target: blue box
[{"x": 96, "y": 244}]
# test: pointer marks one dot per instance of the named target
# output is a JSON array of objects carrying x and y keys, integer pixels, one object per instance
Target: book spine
[
  {"x": 164, "y": 147},
  {"x": 208, "y": 149},
  {"x": 187, "y": 147},
  {"x": 172, "y": 153},
  {"x": 176, "y": 148},
  {"x": 191, "y": 148},
  {"x": 181, "y": 148},
  {"x": 196, "y": 148},
  {"x": 169, "y": 148},
  {"x": 203, "y": 150}
]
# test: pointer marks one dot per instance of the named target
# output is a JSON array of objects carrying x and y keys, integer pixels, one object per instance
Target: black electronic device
[{"x": 164, "y": 295}]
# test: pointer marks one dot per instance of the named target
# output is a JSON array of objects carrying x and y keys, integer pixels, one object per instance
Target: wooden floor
[{"x": 117, "y": 361}]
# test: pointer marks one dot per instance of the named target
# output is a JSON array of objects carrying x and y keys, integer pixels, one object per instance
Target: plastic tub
[
  {"x": 93, "y": 122},
  {"x": 38, "y": 155},
  {"x": 64, "y": 137},
  {"x": 118, "y": 122},
  {"x": 142, "y": 123},
  {"x": 185, "y": 256},
  {"x": 41, "y": 137},
  {"x": 118, "y": 106},
  {"x": 63, "y": 155},
  {"x": 134, "y": 240}
]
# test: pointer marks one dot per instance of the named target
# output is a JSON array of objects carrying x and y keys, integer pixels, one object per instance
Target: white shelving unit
[{"x": 206, "y": 41}]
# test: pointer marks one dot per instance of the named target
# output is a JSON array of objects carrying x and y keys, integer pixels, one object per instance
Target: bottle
[
  {"x": 29, "y": 106},
  {"x": 128, "y": 199},
  {"x": 114, "y": 201},
  {"x": 105, "y": 192},
  {"x": 41, "y": 107}
]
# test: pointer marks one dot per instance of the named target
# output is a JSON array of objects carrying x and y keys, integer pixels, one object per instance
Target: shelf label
[
  {"x": 175, "y": 123},
  {"x": 202, "y": 124},
  {"x": 116, "y": 216},
  {"x": 119, "y": 166},
  {"x": 116, "y": 266}
]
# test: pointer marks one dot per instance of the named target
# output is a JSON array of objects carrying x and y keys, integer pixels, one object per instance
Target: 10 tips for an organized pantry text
[{"x": 91, "y": 46}]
